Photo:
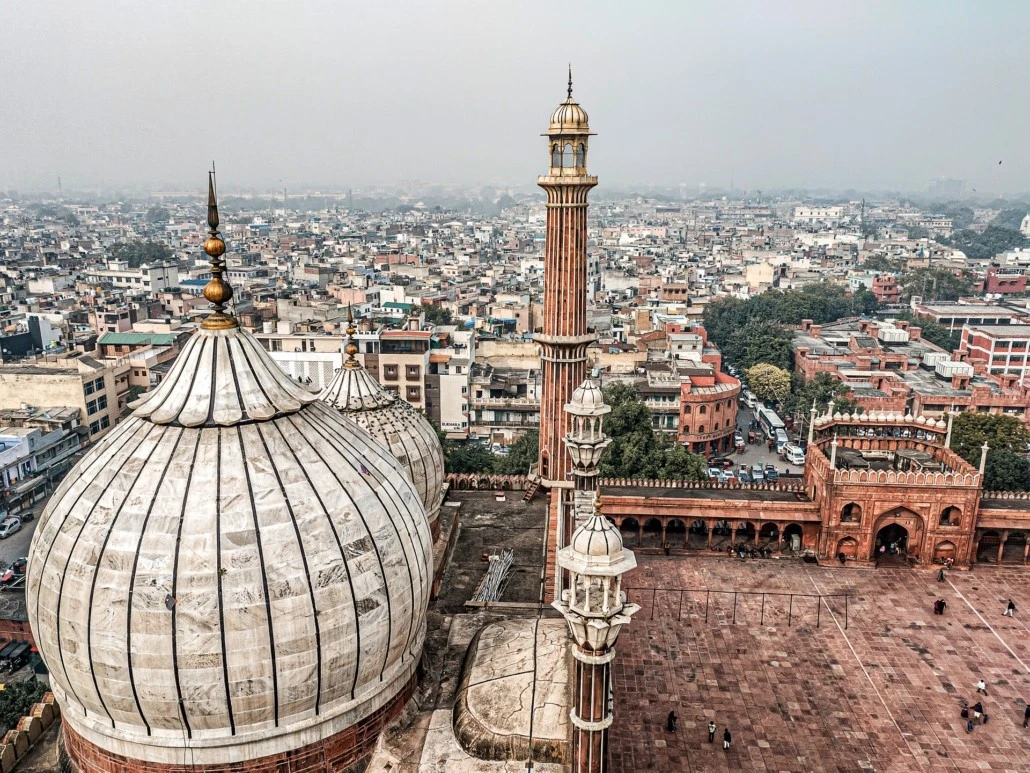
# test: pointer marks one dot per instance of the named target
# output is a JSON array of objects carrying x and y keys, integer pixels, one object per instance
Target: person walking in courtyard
[
  {"x": 1026, "y": 715},
  {"x": 942, "y": 604},
  {"x": 1010, "y": 610},
  {"x": 670, "y": 723},
  {"x": 711, "y": 727},
  {"x": 981, "y": 687},
  {"x": 940, "y": 576},
  {"x": 726, "y": 738}
]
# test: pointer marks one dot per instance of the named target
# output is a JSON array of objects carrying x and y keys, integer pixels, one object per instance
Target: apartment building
[
  {"x": 35, "y": 448},
  {"x": 99, "y": 390},
  {"x": 954, "y": 315},
  {"x": 997, "y": 349},
  {"x": 148, "y": 278}
]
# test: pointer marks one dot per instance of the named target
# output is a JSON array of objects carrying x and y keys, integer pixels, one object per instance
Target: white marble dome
[
  {"x": 234, "y": 569},
  {"x": 588, "y": 400},
  {"x": 399, "y": 427}
]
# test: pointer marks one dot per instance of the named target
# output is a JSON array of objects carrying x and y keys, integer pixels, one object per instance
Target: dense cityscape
[{"x": 417, "y": 440}]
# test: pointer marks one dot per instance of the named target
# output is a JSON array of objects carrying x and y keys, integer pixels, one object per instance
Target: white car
[
  {"x": 794, "y": 454},
  {"x": 8, "y": 527}
]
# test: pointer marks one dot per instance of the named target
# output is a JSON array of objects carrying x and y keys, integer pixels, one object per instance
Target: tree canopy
[
  {"x": 882, "y": 263},
  {"x": 821, "y": 388},
  {"x": 753, "y": 331},
  {"x": 468, "y": 457},
  {"x": 637, "y": 451},
  {"x": 16, "y": 700},
  {"x": 1007, "y": 468},
  {"x": 438, "y": 315},
  {"x": 521, "y": 454},
  {"x": 157, "y": 214},
  {"x": 992, "y": 241},
  {"x": 137, "y": 253},
  {"x": 933, "y": 284},
  {"x": 768, "y": 382},
  {"x": 1006, "y": 471}
]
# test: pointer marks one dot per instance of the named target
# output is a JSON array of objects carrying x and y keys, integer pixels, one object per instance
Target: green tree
[
  {"x": 158, "y": 215},
  {"x": 822, "y": 388},
  {"x": 984, "y": 246},
  {"x": 917, "y": 232},
  {"x": 755, "y": 330},
  {"x": 16, "y": 700},
  {"x": 757, "y": 342},
  {"x": 470, "y": 457},
  {"x": 637, "y": 451},
  {"x": 1006, "y": 471},
  {"x": 1010, "y": 219},
  {"x": 882, "y": 263},
  {"x": 438, "y": 315},
  {"x": 1002, "y": 434},
  {"x": 768, "y": 382},
  {"x": 934, "y": 284},
  {"x": 137, "y": 253},
  {"x": 521, "y": 454}
]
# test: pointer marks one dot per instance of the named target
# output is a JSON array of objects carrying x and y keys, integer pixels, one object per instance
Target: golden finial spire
[
  {"x": 570, "y": 80},
  {"x": 217, "y": 290},
  {"x": 351, "y": 348}
]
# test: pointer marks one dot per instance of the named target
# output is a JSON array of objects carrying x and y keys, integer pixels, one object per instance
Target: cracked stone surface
[
  {"x": 882, "y": 695},
  {"x": 503, "y": 694},
  {"x": 442, "y": 754}
]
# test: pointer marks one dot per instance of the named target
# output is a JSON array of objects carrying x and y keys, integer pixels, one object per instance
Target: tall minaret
[{"x": 564, "y": 338}]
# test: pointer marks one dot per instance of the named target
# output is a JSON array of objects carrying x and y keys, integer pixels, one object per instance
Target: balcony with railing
[{"x": 507, "y": 403}]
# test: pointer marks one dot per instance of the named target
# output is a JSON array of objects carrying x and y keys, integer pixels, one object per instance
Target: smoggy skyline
[{"x": 313, "y": 93}]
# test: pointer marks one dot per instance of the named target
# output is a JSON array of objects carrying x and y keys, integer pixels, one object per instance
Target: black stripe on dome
[
  {"x": 132, "y": 577},
  {"x": 346, "y": 564},
  {"x": 264, "y": 580},
  {"x": 219, "y": 572},
  {"x": 317, "y": 423},
  {"x": 303, "y": 553},
  {"x": 146, "y": 428},
  {"x": 175, "y": 588},
  {"x": 99, "y": 560}
]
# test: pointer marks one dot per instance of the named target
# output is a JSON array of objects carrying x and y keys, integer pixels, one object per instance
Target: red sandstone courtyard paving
[{"x": 882, "y": 695}]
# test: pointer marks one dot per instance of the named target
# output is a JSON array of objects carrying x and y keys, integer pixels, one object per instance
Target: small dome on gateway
[
  {"x": 398, "y": 427},
  {"x": 234, "y": 569}
]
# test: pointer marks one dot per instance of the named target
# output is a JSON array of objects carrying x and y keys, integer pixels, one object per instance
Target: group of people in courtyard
[{"x": 672, "y": 722}]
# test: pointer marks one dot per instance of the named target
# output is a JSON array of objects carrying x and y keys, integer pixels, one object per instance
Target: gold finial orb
[
  {"x": 217, "y": 292},
  {"x": 350, "y": 349},
  {"x": 214, "y": 246}
]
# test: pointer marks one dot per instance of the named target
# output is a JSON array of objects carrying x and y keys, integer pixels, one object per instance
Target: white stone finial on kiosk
[
  {"x": 811, "y": 423},
  {"x": 833, "y": 452},
  {"x": 947, "y": 438},
  {"x": 983, "y": 456}
]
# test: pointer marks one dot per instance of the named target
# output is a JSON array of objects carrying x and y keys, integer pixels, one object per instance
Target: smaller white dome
[
  {"x": 588, "y": 400},
  {"x": 847, "y": 416},
  {"x": 597, "y": 538},
  {"x": 941, "y": 424},
  {"x": 909, "y": 417},
  {"x": 837, "y": 416},
  {"x": 921, "y": 420}
]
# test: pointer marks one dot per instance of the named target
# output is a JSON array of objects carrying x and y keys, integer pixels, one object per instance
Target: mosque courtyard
[{"x": 881, "y": 694}]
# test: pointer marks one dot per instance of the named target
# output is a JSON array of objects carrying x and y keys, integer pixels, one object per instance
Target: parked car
[
  {"x": 770, "y": 474},
  {"x": 714, "y": 473},
  {"x": 757, "y": 474},
  {"x": 743, "y": 476},
  {"x": 728, "y": 476},
  {"x": 720, "y": 462},
  {"x": 8, "y": 527}
]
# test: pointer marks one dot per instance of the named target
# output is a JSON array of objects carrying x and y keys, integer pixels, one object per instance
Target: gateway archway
[{"x": 891, "y": 543}]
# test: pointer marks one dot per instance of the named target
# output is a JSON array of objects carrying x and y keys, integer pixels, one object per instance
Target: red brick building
[
  {"x": 708, "y": 412},
  {"x": 886, "y": 289}
]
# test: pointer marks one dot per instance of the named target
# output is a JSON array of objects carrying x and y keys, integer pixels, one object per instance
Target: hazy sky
[{"x": 837, "y": 93}]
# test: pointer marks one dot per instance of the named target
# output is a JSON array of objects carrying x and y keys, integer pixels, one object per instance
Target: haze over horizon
[{"x": 315, "y": 93}]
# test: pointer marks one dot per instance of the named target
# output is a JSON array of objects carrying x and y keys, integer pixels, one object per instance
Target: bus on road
[{"x": 772, "y": 426}]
